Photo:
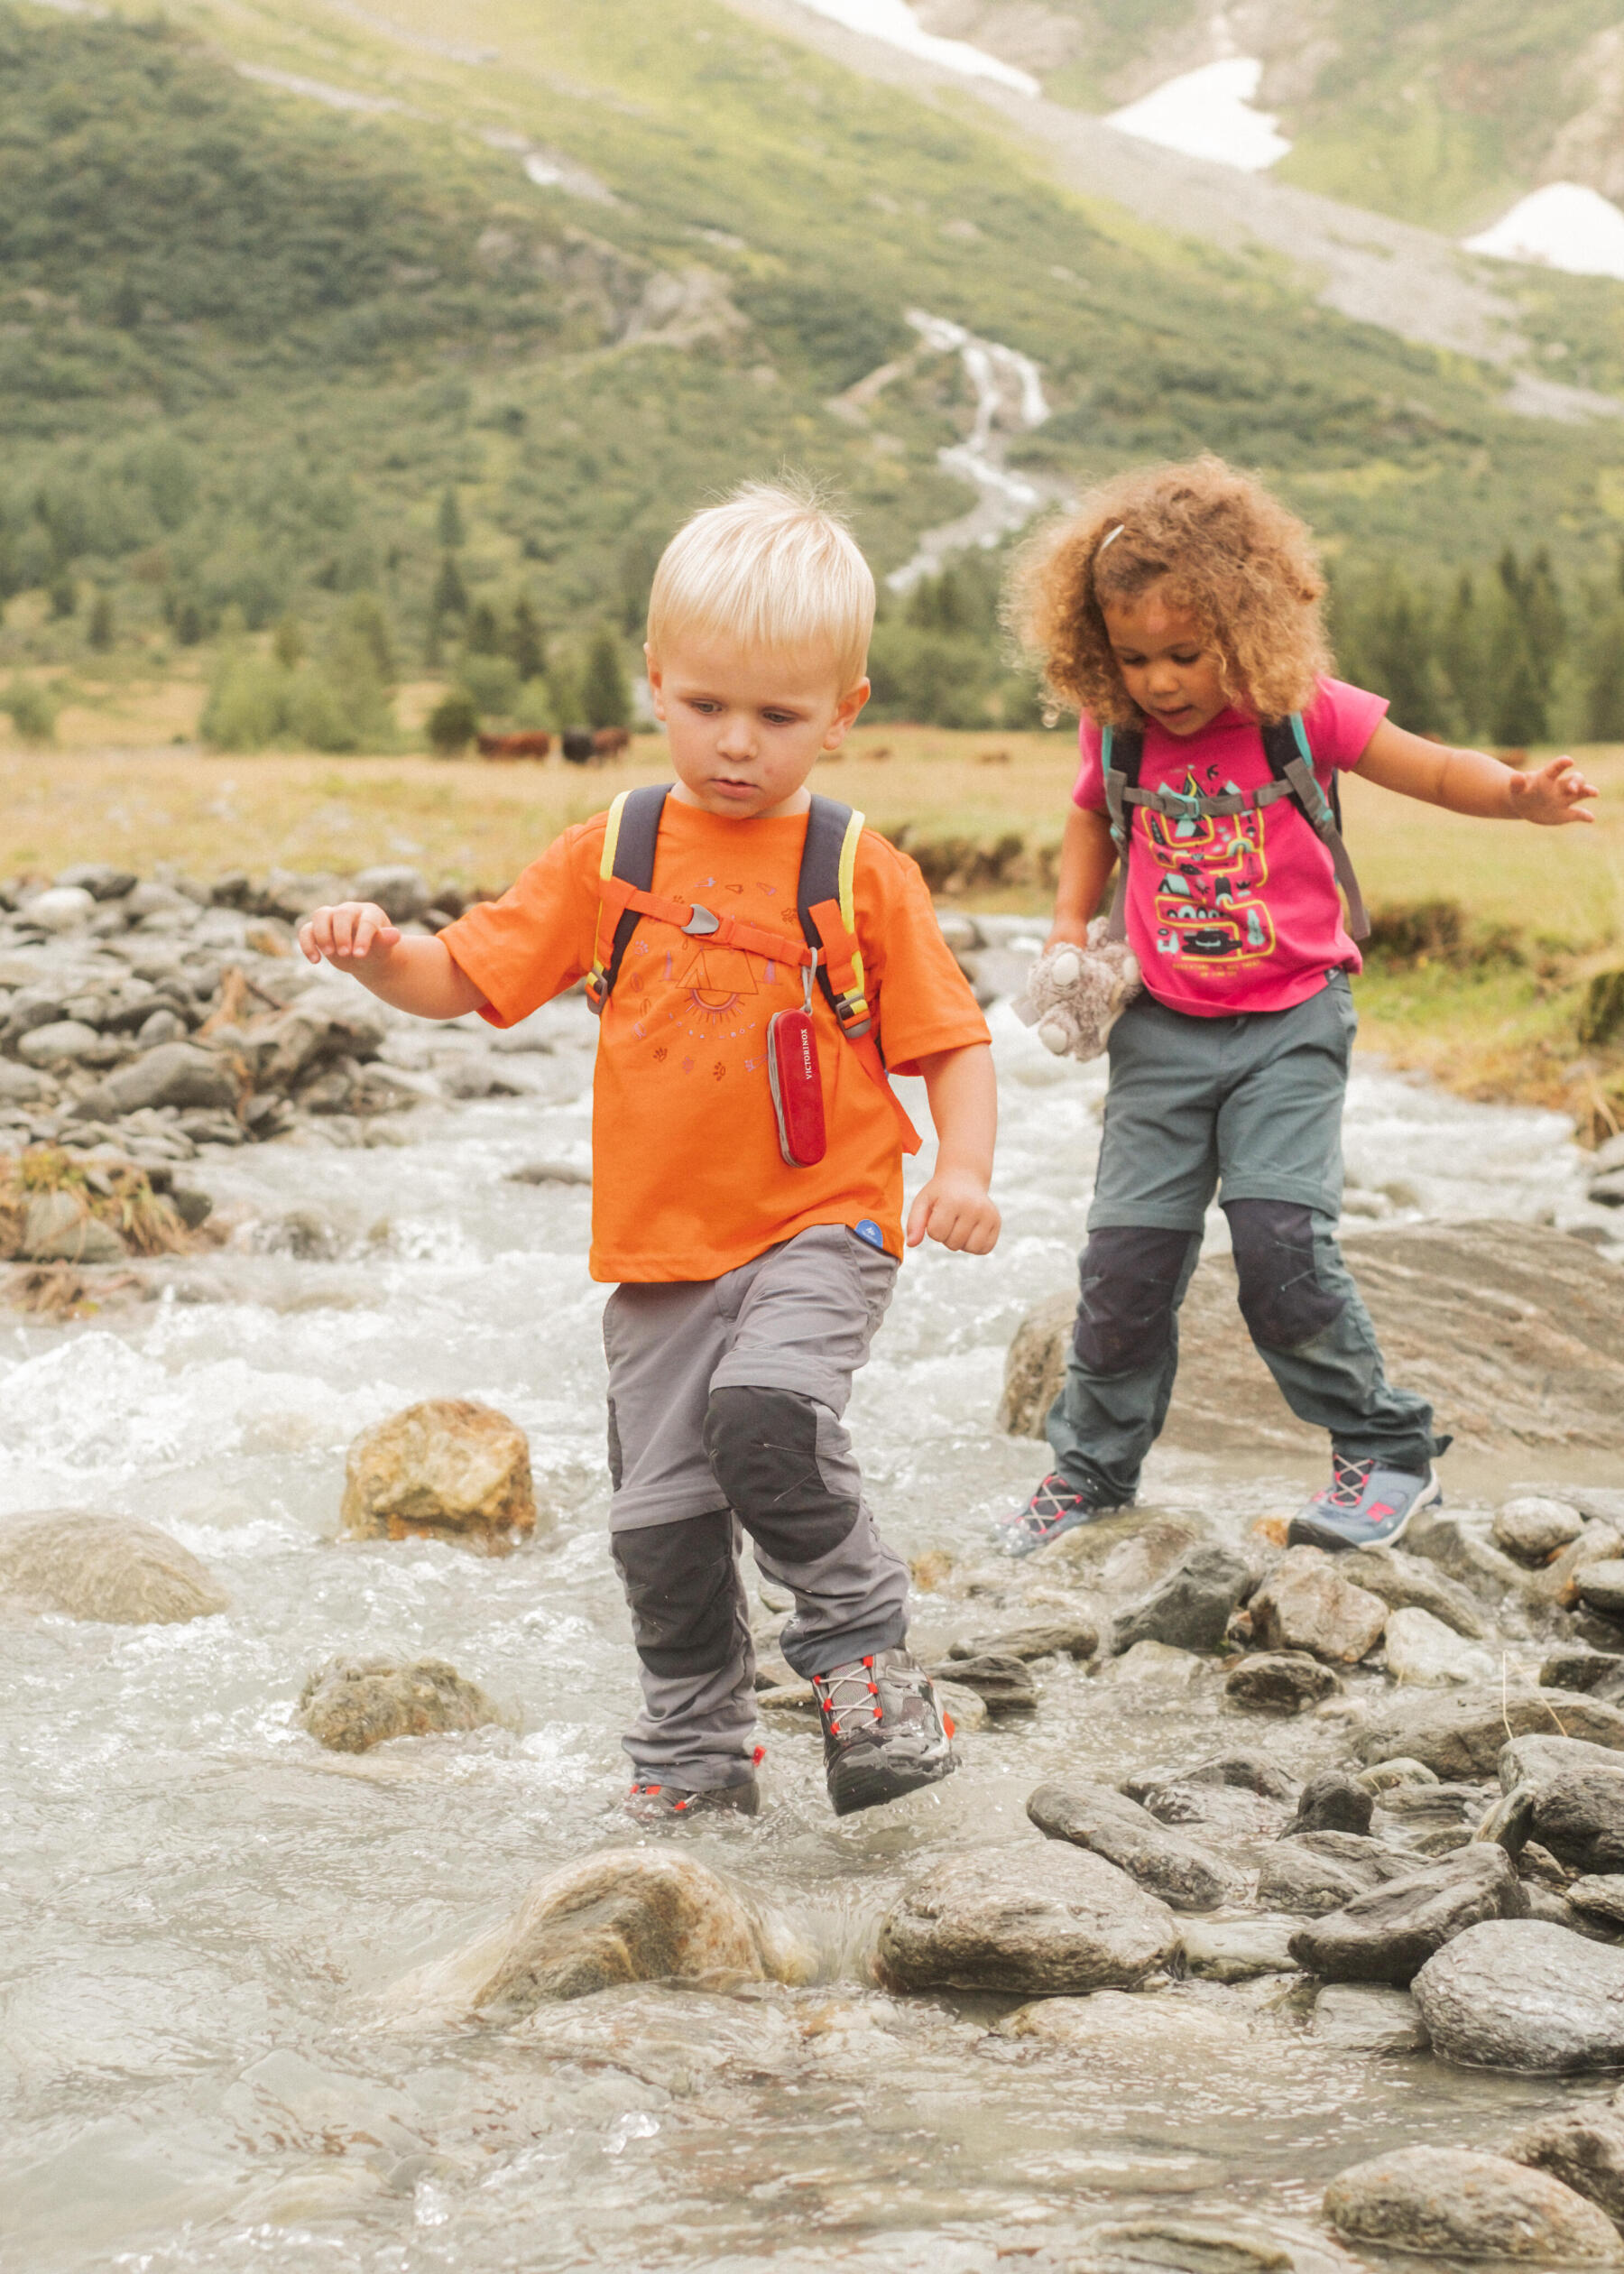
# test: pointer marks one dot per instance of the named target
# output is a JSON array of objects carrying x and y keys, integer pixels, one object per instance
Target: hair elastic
[{"x": 1115, "y": 534}]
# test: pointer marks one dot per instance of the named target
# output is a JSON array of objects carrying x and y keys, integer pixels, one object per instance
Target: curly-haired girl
[{"x": 1179, "y": 609}]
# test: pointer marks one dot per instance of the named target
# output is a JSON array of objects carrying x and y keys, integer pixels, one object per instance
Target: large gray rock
[
  {"x": 1598, "y": 1896},
  {"x": 1110, "y": 1825},
  {"x": 1515, "y": 1332},
  {"x": 1405, "y": 1583},
  {"x": 1533, "y": 1529},
  {"x": 1579, "y": 1818},
  {"x": 1320, "y": 1872},
  {"x": 1541, "y": 1756},
  {"x": 1390, "y": 1933},
  {"x": 1048, "y": 1921},
  {"x": 1361, "y": 2017},
  {"x": 1239, "y": 1949},
  {"x": 111, "y": 1568},
  {"x": 1462, "y": 1734},
  {"x": 449, "y": 1469},
  {"x": 1332, "y": 1801},
  {"x": 1520, "y": 1993},
  {"x": 1306, "y": 1605},
  {"x": 351, "y": 1704},
  {"x": 1454, "y": 2202},
  {"x": 1600, "y": 1586},
  {"x": 622, "y": 1916},
  {"x": 176, "y": 1073},
  {"x": 1425, "y": 1653},
  {"x": 1279, "y": 1682},
  {"x": 59, "y": 1044},
  {"x": 1581, "y": 2147},
  {"x": 1073, "y": 1635},
  {"x": 1191, "y": 1607},
  {"x": 999, "y": 1680}
]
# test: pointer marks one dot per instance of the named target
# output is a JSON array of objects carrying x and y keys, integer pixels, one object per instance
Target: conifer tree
[
  {"x": 100, "y": 629},
  {"x": 449, "y": 525},
  {"x": 525, "y": 643},
  {"x": 604, "y": 694}
]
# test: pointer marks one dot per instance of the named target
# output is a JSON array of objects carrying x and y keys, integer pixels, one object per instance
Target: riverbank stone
[
  {"x": 178, "y": 1074},
  {"x": 1579, "y": 1818},
  {"x": 1321, "y": 1872},
  {"x": 1280, "y": 1682},
  {"x": 1601, "y": 1587},
  {"x": 1306, "y": 1605},
  {"x": 1425, "y": 1652},
  {"x": 1599, "y": 1895},
  {"x": 1581, "y": 2147},
  {"x": 1524, "y": 1994},
  {"x": 1458, "y": 2202},
  {"x": 1190, "y": 1608},
  {"x": 1406, "y": 1583},
  {"x": 1109, "y": 1824},
  {"x": 351, "y": 1704},
  {"x": 1001, "y": 1680},
  {"x": 1389, "y": 1935},
  {"x": 1368, "y": 2017},
  {"x": 1049, "y": 1920},
  {"x": 1462, "y": 1734},
  {"x": 58, "y": 1228},
  {"x": 110, "y": 1569},
  {"x": 1533, "y": 1529},
  {"x": 1074, "y": 1635},
  {"x": 1239, "y": 1949},
  {"x": 447, "y": 1469},
  {"x": 1332, "y": 1801}
]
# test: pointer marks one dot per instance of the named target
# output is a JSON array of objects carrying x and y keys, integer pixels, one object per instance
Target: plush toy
[{"x": 1075, "y": 995}]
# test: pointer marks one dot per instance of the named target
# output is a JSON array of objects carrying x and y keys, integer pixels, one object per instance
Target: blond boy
[{"x": 748, "y": 1283}]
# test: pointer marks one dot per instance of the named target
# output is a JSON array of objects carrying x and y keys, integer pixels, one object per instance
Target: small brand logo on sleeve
[{"x": 867, "y": 1229}]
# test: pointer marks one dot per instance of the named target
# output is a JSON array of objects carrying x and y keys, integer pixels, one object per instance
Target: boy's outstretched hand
[
  {"x": 956, "y": 1208},
  {"x": 348, "y": 934},
  {"x": 1551, "y": 794}
]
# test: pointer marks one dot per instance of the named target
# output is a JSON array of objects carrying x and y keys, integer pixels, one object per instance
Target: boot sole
[
  {"x": 1303, "y": 1532},
  {"x": 873, "y": 1788}
]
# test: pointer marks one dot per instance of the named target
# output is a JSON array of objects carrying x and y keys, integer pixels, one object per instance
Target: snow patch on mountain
[
  {"x": 1564, "y": 226},
  {"x": 1208, "y": 114},
  {"x": 895, "y": 22}
]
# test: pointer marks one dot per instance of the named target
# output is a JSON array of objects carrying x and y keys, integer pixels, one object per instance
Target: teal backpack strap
[
  {"x": 1291, "y": 761},
  {"x": 1121, "y": 754}
]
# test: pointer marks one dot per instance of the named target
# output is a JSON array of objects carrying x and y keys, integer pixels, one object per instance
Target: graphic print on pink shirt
[{"x": 1235, "y": 912}]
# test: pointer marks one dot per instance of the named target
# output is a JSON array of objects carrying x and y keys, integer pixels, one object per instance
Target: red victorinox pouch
[{"x": 796, "y": 1089}]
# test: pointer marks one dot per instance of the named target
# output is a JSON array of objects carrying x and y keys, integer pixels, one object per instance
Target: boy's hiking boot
[
  {"x": 1365, "y": 1505},
  {"x": 649, "y": 1803},
  {"x": 1054, "y": 1508},
  {"x": 883, "y": 1733}
]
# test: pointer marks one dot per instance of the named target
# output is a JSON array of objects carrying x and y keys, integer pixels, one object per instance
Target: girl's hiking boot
[
  {"x": 1365, "y": 1505},
  {"x": 1055, "y": 1508},
  {"x": 883, "y": 1733},
  {"x": 649, "y": 1803}
]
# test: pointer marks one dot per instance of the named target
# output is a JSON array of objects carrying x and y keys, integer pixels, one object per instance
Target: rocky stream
[{"x": 1273, "y": 1925}]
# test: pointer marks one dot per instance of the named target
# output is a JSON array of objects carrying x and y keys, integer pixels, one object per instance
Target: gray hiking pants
[
  {"x": 1248, "y": 1107},
  {"x": 726, "y": 1399}
]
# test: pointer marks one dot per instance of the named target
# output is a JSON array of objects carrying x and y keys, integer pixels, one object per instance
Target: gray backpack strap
[
  {"x": 1121, "y": 756},
  {"x": 1286, "y": 742}
]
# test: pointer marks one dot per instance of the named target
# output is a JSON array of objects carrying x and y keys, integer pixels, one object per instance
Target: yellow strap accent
[
  {"x": 848, "y": 905},
  {"x": 605, "y": 870}
]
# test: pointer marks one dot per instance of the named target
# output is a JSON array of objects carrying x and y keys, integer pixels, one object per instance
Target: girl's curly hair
[{"x": 1224, "y": 548}]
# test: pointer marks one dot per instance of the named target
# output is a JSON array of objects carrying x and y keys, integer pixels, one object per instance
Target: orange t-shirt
[{"x": 689, "y": 1181}]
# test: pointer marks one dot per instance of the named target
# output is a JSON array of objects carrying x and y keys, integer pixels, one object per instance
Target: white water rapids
[{"x": 203, "y": 1911}]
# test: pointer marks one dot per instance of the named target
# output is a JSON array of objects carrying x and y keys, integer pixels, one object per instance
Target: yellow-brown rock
[{"x": 447, "y": 1469}]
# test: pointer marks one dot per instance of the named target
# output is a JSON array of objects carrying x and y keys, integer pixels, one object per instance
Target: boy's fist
[
  {"x": 1552, "y": 793},
  {"x": 347, "y": 935},
  {"x": 957, "y": 1210}
]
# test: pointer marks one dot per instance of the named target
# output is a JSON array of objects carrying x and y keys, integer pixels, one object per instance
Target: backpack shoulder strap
[
  {"x": 629, "y": 839},
  {"x": 1291, "y": 761},
  {"x": 1121, "y": 754},
  {"x": 827, "y": 902}
]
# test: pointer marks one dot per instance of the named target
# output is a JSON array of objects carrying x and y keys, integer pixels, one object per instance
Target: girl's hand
[
  {"x": 354, "y": 933},
  {"x": 1551, "y": 794},
  {"x": 956, "y": 1208},
  {"x": 1067, "y": 931}
]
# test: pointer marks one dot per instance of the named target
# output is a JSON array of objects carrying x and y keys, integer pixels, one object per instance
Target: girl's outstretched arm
[
  {"x": 1470, "y": 782},
  {"x": 1087, "y": 857}
]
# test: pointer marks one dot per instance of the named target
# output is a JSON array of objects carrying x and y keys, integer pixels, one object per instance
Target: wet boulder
[
  {"x": 1422, "y": 1650},
  {"x": 1279, "y": 1682},
  {"x": 1579, "y": 1818},
  {"x": 1406, "y": 1583},
  {"x": 1074, "y": 1635},
  {"x": 1174, "y": 2020},
  {"x": 1576, "y": 1666},
  {"x": 1533, "y": 1529},
  {"x": 1109, "y": 1824},
  {"x": 1581, "y": 2147},
  {"x": 1190, "y": 1608},
  {"x": 1601, "y": 1587},
  {"x": 449, "y": 1469},
  {"x": 999, "y": 1680},
  {"x": 1320, "y": 1872},
  {"x": 1598, "y": 1896},
  {"x": 108, "y": 1568},
  {"x": 1306, "y": 1605},
  {"x": 179, "y": 1074},
  {"x": 1541, "y": 1756},
  {"x": 621, "y": 1915},
  {"x": 1462, "y": 1734},
  {"x": 351, "y": 1704},
  {"x": 1390, "y": 1933},
  {"x": 1522, "y": 1993},
  {"x": 1239, "y": 1949},
  {"x": 1458, "y": 2203},
  {"x": 1367, "y": 2017},
  {"x": 1332, "y": 1802},
  {"x": 1044, "y": 1921}
]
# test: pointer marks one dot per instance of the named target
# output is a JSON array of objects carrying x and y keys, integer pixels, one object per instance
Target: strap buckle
[
  {"x": 1182, "y": 804},
  {"x": 701, "y": 921}
]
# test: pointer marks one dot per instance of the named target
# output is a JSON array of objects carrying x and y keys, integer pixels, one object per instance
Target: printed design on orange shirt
[
  {"x": 713, "y": 996},
  {"x": 1211, "y": 871}
]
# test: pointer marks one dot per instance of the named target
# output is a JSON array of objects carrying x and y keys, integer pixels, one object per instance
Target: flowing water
[{"x": 203, "y": 1913}]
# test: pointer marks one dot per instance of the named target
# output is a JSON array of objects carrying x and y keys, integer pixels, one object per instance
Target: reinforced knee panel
[
  {"x": 682, "y": 1586},
  {"x": 762, "y": 1445},
  {"x": 1282, "y": 1299},
  {"x": 1129, "y": 1274}
]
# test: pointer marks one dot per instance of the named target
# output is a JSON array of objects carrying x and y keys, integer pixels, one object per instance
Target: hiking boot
[
  {"x": 883, "y": 1733},
  {"x": 1365, "y": 1505},
  {"x": 1054, "y": 1508},
  {"x": 649, "y": 1803}
]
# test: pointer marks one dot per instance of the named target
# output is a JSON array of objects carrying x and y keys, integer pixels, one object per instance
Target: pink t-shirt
[{"x": 1241, "y": 911}]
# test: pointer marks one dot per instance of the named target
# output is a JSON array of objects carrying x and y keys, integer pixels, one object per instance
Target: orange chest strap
[{"x": 700, "y": 922}]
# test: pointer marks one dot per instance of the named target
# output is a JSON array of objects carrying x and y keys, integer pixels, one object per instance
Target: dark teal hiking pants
[{"x": 1249, "y": 1107}]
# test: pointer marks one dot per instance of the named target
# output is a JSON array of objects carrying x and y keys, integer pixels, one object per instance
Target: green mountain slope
[{"x": 253, "y": 338}]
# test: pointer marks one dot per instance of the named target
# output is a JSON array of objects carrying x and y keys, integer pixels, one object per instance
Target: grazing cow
[
  {"x": 527, "y": 745},
  {"x": 577, "y": 746},
  {"x": 610, "y": 741}
]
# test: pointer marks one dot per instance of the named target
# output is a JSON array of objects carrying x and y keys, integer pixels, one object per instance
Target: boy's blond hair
[{"x": 772, "y": 568}]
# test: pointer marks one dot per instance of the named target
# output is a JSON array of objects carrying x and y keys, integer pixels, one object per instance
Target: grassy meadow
[{"x": 1488, "y": 935}]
